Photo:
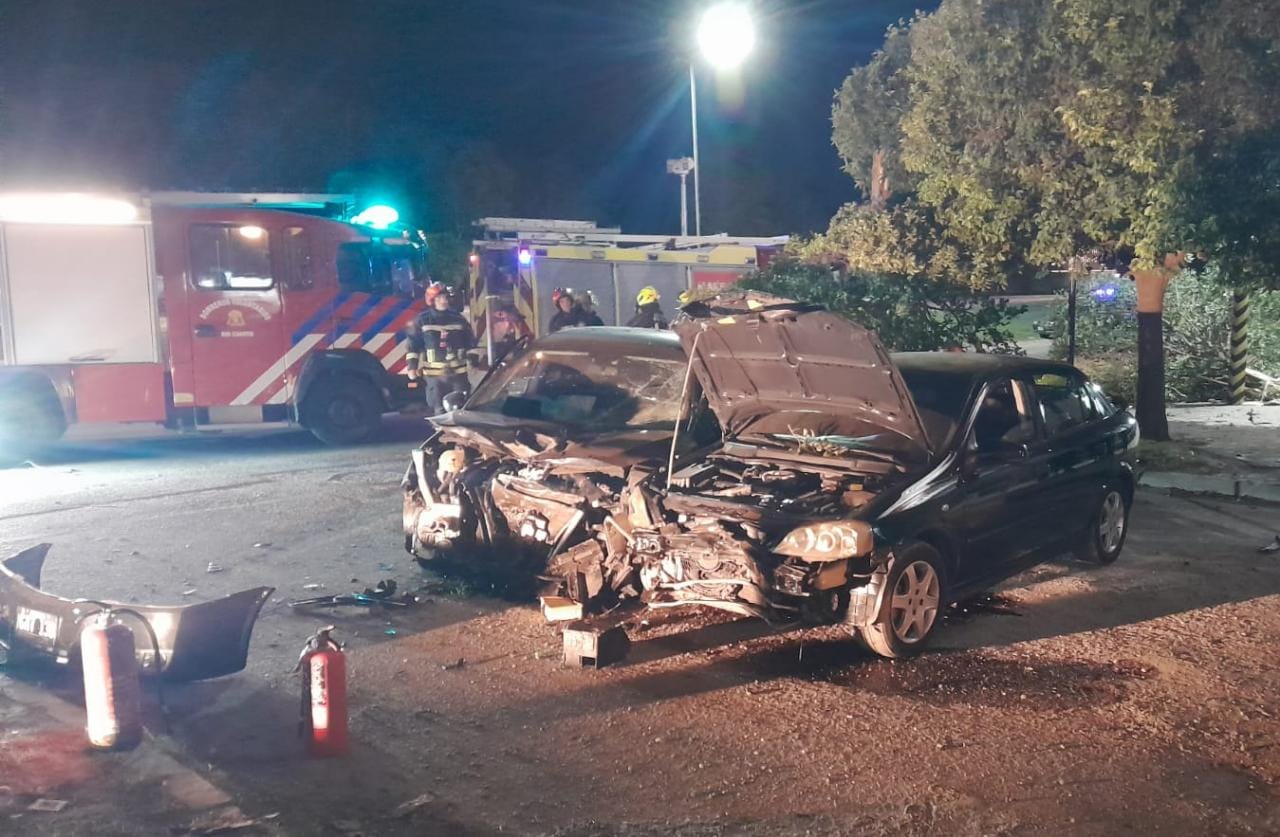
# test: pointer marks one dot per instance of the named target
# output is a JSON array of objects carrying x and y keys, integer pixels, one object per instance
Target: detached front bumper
[{"x": 194, "y": 642}]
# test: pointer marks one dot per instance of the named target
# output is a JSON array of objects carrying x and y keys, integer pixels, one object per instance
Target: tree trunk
[
  {"x": 1152, "y": 421},
  {"x": 1152, "y": 283}
]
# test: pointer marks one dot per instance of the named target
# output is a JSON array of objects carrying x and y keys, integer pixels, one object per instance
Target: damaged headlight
[{"x": 828, "y": 541}]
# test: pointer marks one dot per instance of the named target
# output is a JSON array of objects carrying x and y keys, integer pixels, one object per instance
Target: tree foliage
[{"x": 909, "y": 314}]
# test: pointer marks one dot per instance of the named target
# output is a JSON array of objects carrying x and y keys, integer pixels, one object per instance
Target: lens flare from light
[
  {"x": 66, "y": 208},
  {"x": 525, "y": 256},
  {"x": 726, "y": 35},
  {"x": 379, "y": 217}
]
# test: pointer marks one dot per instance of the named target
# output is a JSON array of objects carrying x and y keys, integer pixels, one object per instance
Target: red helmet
[
  {"x": 435, "y": 289},
  {"x": 561, "y": 293}
]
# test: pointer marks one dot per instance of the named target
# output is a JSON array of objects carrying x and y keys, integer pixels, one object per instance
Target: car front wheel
[
  {"x": 912, "y": 606},
  {"x": 1103, "y": 540}
]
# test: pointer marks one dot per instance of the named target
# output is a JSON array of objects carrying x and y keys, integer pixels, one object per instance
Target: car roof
[
  {"x": 979, "y": 364},
  {"x": 658, "y": 343}
]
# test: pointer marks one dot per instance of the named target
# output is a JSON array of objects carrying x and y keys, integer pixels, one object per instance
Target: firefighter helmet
[
  {"x": 685, "y": 298},
  {"x": 435, "y": 289},
  {"x": 559, "y": 294},
  {"x": 587, "y": 299},
  {"x": 647, "y": 295}
]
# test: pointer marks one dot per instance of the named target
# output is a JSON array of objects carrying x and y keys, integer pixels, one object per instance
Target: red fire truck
[{"x": 192, "y": 309}]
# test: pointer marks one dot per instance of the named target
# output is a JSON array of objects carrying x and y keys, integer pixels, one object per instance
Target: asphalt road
[{"x": 1082, "y": 700}]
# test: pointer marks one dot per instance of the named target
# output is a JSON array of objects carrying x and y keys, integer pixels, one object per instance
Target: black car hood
[{"x": 772, "y": 367}]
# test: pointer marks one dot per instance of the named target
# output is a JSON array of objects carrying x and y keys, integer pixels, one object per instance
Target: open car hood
[{"x": 771, "y": 367}]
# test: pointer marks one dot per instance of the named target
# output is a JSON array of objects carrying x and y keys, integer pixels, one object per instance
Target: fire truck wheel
[
  {"x": 30, "y": 417},
  {"x": 342, "y": 410}
]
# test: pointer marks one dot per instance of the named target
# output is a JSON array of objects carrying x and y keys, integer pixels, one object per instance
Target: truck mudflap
[{"x": 190, "y": 642}]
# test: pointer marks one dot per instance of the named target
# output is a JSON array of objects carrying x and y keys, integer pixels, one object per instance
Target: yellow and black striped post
[{"x": 1239, "y": 344}]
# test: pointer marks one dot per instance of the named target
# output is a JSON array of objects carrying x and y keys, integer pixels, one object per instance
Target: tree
[
  {"x": 909, "y": 313},
  {"x": 1044, "y": 130}
]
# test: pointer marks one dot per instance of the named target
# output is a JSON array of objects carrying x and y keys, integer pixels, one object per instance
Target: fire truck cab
[{"x": 192, "y": 309}]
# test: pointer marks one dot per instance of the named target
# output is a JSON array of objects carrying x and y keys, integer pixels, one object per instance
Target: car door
[
  {"x": 1077, "y": 451},
  {"x": 998, "y": 504}
]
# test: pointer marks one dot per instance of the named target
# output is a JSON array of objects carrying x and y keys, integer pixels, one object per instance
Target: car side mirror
[{"x": 454, "y": 401}]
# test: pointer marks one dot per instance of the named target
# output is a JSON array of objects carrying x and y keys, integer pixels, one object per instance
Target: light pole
[
  {"x": 682, "y": 166},
  {"x": 726, "y": 35}
]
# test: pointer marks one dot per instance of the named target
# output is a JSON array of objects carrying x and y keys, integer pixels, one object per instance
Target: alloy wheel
[
  {"x": 916, "y": 599},
  {"x": 1111, "y": 522}
]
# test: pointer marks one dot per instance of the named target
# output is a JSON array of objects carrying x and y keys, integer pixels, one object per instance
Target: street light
[{"x": 726, "y": 35}]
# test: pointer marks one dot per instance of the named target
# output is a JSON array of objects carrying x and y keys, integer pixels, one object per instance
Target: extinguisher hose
[{"x": 111, "y": 610}]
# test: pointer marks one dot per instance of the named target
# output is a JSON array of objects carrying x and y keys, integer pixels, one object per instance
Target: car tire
[
  {"x": 343, "y": 410},
  {"x": 914, "y": 599},
  {"x": 1102, "y": 542}
]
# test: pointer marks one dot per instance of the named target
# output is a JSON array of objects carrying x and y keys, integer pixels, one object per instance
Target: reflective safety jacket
[{"x": 438, "y": 343}]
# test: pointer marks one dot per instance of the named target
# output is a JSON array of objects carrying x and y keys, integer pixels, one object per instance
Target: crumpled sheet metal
[{"x": 196, "y": 642}]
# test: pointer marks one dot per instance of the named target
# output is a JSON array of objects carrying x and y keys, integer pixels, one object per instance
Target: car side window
[
  {"x": 1065, "y": 402},
  {"x": 1004, "y": 417}
]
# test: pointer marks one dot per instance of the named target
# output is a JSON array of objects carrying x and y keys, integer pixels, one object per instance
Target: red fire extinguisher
[
  {"x": 112, "y": 690},
  {"x": 324, "y": 695}
]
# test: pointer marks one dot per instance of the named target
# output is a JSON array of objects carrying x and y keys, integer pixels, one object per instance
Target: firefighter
[
  {"x": 567, "y": 313},
  {"x": 587, "y": 315},
  {"x": 648, "y": 310},
  {"x": 438, "y": 345}
]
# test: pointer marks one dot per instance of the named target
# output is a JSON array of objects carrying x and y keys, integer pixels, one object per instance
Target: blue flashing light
[
  {"x": 1104, "y": 293},
  {"x": 379, "y": 217},
  {"x": 525, "y": 257}
]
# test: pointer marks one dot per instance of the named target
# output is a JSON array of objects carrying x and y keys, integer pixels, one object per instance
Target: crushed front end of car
[{"x": 787, "y": 430}]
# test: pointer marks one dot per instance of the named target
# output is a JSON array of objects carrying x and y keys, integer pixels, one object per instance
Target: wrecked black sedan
[{"x": 772, "y": 459}]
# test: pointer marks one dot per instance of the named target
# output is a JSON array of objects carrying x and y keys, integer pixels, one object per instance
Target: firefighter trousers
[{"x": 436, "y": 387}]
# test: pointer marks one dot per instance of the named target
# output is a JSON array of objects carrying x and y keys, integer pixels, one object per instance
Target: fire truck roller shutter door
[
  {"x": 593, "y": 276},
  {"x": 667, "y": 279}
]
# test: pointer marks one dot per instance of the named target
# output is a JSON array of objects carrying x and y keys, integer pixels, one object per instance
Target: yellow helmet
[{"x": 647, "y": 295}]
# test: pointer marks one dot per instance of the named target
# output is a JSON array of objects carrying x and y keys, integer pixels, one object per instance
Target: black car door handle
[{"x": 205, "y": 330}]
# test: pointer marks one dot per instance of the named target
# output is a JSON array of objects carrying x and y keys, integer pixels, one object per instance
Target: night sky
[{"x": 535, "y": 108}]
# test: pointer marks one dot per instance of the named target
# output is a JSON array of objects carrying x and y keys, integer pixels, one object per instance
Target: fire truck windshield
[{"x": 381, "y": 267}]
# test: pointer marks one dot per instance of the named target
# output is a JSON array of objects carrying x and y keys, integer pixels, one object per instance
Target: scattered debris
[
  {"x": 262, "y": 545},
  {"x": 190, "y": 591},
  {"x": 1274, "y": 546},
  {"x": 404, "y": 809},
  {"x": 386, "y": 568},
  {"x": 390, "y": 632},
  {"x": 226, "y": 820},
  {"x": 312, "y": 586},
  {"x": 384, "y": 594},
  {"x": 560, "y": 609},
  {"x": 214, "y": 568},
  {"x": 587, "y": 645},
  {"x": 461, "y": 661},
  {"x": 48, "y": 806}
]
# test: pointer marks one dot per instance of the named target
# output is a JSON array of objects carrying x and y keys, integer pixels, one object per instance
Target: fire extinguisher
[
  {"x": 324, "y": 695},
  {"x": 112, "y": 688}
]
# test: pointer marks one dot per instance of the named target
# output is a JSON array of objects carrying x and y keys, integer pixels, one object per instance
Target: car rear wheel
[
  {"x": 343, "y": 410},
  {"x": 1103, "y": 540},
  {"x": 912, "y": 606}
]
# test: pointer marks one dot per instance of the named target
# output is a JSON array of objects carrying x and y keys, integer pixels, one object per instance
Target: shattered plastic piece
[
  {"x": 383, "y": 594},
  {"x": 191, "y": 591},
  {"x": 195, "y": 641},
  {"x": 588, "y": 646},
  {"x": 560, "y": 609},
  {"x": 386, "y": 568},
  {"x": 1274, "y": 546},
  {"x": 312, "y": 586},
  {"x": 227, "y": 820},
  {"x": 390, "y": 632},
  {"x": 48, "y": 806},
  {"x": 262, "y": 545},
  {"x": 214, "y": 568},
  {"x": 404, "y": 809}
]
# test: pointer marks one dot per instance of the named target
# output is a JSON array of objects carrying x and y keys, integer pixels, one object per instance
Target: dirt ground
[{"x": 1142, "y": 697}]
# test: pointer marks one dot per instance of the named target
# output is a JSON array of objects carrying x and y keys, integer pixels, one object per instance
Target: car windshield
[
  {"x": 940, "y": 400},
  {"x": 596, "y": 392}
]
